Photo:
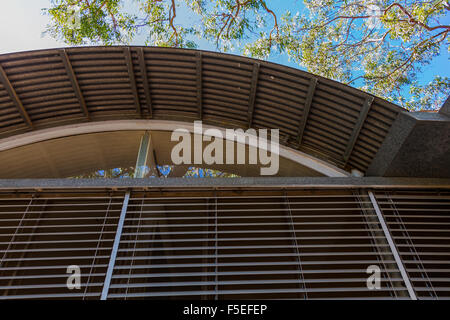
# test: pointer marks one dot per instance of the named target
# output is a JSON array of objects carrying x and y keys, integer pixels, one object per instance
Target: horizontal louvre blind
[
  {"x": 41, "y": 234},
  {"x": 223, "y": 244},
  {"x": 419, "y": 222},
  {"x": 237, "y": 245}
]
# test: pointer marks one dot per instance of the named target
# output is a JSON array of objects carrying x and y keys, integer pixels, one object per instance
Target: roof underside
[
  {"x": 89, "y": 153},
  {"x": 329, "y": 120}
]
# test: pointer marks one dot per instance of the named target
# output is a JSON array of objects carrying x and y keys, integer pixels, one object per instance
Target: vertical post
[
  {"x": 141, "y": 162},
  {"x": 394, "y": 251},
  {"x": 115, "y": 248}
]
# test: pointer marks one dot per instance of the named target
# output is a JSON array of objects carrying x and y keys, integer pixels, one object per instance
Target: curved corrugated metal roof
[{"x": 332, "y": 121}]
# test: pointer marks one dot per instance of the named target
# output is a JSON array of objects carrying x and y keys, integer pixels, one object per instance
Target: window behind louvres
[
  {"x": 419, "y": 221},
  {"x": 235, "y": 244},
  {"x": 43, "y": 233}
]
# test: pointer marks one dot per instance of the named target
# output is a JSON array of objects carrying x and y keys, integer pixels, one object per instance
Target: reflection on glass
[
  {"x": 194, "y": 172},
  {"x": 159, "y": 172},
  {"x": 108, "y": 173}
]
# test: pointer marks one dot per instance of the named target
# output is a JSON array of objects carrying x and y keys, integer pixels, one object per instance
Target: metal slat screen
[
  {"x": 41, "y": 234},
  {"x": 247, "y": 245},
  {"x": 226, "y": 243},
  {"x": 420, "y": 224}
]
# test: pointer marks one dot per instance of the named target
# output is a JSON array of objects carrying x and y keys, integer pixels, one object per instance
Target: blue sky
[{"x": 22, "y": 25}]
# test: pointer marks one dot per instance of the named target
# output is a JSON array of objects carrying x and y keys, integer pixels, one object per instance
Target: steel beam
[
  {"x": 74, "y": 82},
  {"x": 252, "y": 96},
  {"x": 14, "y": 97},
  {"x": 141, "y": 161},
  {"x": 143, "y": 67},
  {"x": 199, "y": 68},
  {"x": 250, "y": 182},
  {"x": 357, "y": 128},
  {"x": 129, "y": 62},
  {"x": 380, "y": 243},
  {"x": 393, "y": 248},
  {"x": 306, "y": 109},
  {"x": 115, "y": 248}
]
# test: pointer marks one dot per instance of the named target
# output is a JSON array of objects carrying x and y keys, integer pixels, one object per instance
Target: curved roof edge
[
  {"x": 324, "y": 118},
  {"x": 296, "y": 156}
]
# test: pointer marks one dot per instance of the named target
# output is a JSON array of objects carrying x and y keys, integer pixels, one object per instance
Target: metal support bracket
[
  {"x": 141, "y": 162},
  {"x": 392, "y": 246},
  {"x": 115, "y": 248}
]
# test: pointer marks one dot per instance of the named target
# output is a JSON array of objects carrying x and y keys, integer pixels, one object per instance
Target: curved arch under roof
[
  {"x": 326, "y": 119},
  {"x": 107, "y": 135}
]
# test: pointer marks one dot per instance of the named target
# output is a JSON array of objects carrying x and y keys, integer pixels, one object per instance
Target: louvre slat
[
  {"x": 49, "y": 296},
  {"x": 271, "y": 281},
  {"x": 50, "y": 286},
  {"x": 241, "y": 247},
  {"x": 235, "y": 292},
  {"x": 260, "y": 239},
  {"x": 50, "y": 267},
  {"x": 178, "y": 218},
  {"x": 237, "y": 273},
  {"x": 248, "y": 264},
  {"x": 50, "y": 276}
]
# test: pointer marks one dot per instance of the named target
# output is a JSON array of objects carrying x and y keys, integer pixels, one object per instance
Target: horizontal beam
[{"x": 247, "y": 183}]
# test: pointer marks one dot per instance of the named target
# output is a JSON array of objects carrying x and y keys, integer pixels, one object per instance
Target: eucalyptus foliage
[{"x": 379, "y": 46}]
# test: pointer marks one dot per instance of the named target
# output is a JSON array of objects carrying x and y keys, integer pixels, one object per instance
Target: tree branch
[
  {"x": 275, "y": 27},
  {"x": 172, "y": 15},
  {"x": 412, "y": 20}
]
